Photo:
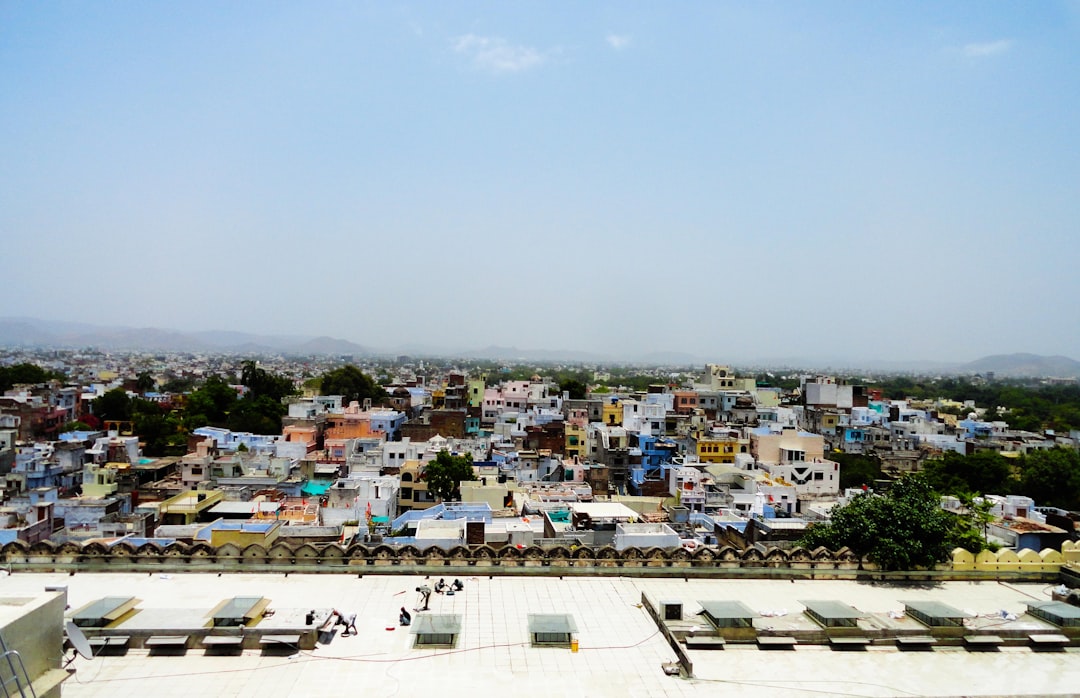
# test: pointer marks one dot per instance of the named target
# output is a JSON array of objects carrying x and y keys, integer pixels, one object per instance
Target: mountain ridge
[{"x": 32, "y": 332}]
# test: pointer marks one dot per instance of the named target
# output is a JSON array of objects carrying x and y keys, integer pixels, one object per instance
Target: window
[
  {"x": 552, "y": 630},
  {"x": 434, "y": 640},
  {"x": 436, "y": 629}
]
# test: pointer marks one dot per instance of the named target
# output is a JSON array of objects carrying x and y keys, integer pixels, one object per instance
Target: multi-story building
[{"x": 610, "y": 446}]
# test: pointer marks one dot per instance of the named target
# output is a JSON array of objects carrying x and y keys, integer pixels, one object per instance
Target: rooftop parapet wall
[
  {"x": 757, "y": 561},
  {"x": 1048, "y": 560}
]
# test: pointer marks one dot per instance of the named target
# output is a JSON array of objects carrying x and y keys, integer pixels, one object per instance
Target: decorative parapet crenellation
[
  {"x": 1007, "y": 560},
  {"x": 558, "y": 559}
]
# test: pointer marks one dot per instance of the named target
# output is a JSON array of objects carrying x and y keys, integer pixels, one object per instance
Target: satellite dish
[{"x": 77, "y": 641}]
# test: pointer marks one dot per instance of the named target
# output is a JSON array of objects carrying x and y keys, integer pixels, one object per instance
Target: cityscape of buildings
[
  {"x": 728, "y": 263},
  {"x": 695, "y": 473},
  {"x": 704, "y": 458}
]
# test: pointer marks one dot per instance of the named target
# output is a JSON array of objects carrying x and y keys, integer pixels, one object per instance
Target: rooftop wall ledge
[
  {"x": 559, "y": 556},
  {"x": 757, "y": 560},
  {"x": 485, "y": 556}
]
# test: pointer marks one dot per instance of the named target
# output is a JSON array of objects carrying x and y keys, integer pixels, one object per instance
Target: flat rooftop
[{"x": 621, "y": 650}]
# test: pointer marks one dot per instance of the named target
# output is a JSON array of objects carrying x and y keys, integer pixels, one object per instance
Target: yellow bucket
[{"x": 573, "y": 645}]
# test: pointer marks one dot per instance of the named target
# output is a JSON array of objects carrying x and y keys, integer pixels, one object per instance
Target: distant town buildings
[{"x": 702, "y": 459}]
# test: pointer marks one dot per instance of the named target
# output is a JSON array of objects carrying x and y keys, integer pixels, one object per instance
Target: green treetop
[{"x": 445, "y": 474}]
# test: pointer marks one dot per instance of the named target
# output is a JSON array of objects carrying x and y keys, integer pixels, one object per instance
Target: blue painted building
[
  {"x": 389, "y": 421},
  {"x": 656, "y": 454}
]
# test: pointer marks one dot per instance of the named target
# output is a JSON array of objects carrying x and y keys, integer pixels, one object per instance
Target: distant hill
[
  {"x": 1024, "y": 366},
  {"x": 17, "y": 332},
  {"x": 32, "y": 332},
  {"x": 29, "y": 332},
  {"x": 330, "y": 345}
]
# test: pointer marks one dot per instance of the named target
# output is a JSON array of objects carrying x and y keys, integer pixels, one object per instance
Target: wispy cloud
[
  {"x": 496, "y": 55},
  {"x": 988, "y": 48},
  {"x": 618, "y": 42}
]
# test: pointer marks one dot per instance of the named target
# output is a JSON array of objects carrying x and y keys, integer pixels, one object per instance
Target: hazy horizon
[
  {"x": 76, "y": 335},
  {"x": 882, "y": 180}
]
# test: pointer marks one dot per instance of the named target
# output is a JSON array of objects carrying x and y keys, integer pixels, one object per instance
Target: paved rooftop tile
[{"x": 621, "y": 651}]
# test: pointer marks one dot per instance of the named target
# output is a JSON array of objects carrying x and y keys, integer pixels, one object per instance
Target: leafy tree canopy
[
  {"x": 210, "y": 404},
  {"x": 258, "y": 415},
  {"x": 983, "y": 472},
  {"x": 177, "y": 385},
  {"x": 969, "y": 527},
  {"x": 263, "y": 383},
  {"x": 1027, "y": 404},
  {"x": 903, "y": 529},
  {"x": 1052, "y": 478},
  {"x": 352, "y": 384},
  {"x": 113, "y": 405},
  {"x": 578, "y": 390},
  {"x": 445, "y": 474},
  {"x": 857, "y": 469},
  {"x": 145, "y": 383},
  {"x": 24, "y": 373},
  {"x": 161, "y": 432}
]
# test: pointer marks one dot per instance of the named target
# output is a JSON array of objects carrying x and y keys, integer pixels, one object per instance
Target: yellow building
[
  {"x": 717, "y": 449},
  {"x": 240, "y": 533},
  {"x": 476, "y": 387},
  {"x": 575, "y": 440},
  {"x": 100, "y": 480},
  {"x": 612, "y": 413},
  {"x": 414, "y": 491},
  {"x": 488, "y": 490},
  {"x": 184, "y": 508}
]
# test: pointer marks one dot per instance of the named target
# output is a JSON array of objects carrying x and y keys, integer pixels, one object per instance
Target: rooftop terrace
[{"x": 621, "y": 648}]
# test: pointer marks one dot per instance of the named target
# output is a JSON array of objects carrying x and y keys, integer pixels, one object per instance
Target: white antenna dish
[{"x": 77, "y": 641}]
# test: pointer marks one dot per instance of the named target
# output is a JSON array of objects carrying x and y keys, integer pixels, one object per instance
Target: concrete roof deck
[{"x": 621, "y": 651}]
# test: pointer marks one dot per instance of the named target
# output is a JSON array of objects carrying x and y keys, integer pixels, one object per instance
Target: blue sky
[{"x": 734, "y": 180}]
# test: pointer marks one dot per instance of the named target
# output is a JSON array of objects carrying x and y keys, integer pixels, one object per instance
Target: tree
[
  {"x": 114, "y": 405},
  {"x": 177, "y": 385},
  {"x": 983, "y": 472},
  {"x": 210, "y": 404},
  {"x": 25, "y": 374},
  {"x": 162, "y": 432},
  {"x": 1052, "y": 478},
  {"x": 969, "y": 527},
  {"x": 144, "y": 383},
  {"x": 445, "y": 474},
  {"x": 352, "y": 384},
  {"x": 263, "y": 383},
  {"x": 903, "y": 529},
  {"x": 258, "y": 415},
  {"x": 577, "y": 389},
  {"x": 857, "y": 469}
]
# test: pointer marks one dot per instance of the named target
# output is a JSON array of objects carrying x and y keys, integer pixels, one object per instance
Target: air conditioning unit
[{"x": 671, "y": 610}]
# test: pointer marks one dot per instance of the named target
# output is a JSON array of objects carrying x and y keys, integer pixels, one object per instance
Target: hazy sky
[{"x": 736, "y": 180}]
